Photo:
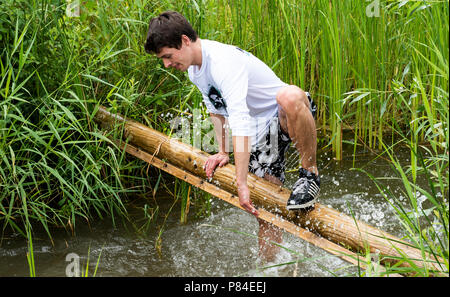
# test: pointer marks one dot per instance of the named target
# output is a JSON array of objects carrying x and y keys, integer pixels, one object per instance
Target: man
[{"x": 240, "y": 89}]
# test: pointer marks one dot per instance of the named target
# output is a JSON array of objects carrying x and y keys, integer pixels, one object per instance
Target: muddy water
[{"x": 223, "y": 244}]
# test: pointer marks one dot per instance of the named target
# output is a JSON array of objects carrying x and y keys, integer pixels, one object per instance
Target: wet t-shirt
[{"x": 237, "y": 85}]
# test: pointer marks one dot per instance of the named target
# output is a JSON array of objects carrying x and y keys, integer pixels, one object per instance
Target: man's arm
[
  {"x": 241, "y": 145},
  {"x": 221, "y": 158},
  {"x": 221, "y": 133}
]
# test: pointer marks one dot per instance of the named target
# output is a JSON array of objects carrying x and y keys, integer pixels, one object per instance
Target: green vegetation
[{"x": 382, "y": 74}]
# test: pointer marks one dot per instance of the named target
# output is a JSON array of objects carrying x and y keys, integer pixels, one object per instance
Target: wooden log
[
  {"x": 278, "y": 221},
  {"x": 322, "y": 220}
]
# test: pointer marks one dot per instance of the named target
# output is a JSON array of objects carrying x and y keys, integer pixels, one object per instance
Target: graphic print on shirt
[
  {"x": 241, "y": 50},
  {"x": 216, "y": 100}
]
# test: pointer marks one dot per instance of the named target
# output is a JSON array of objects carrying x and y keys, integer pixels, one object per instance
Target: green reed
[
  {"x": 54, "y": 166},
  {"x": 347, "y": 58},
  {"x": 425, "y": 215}
]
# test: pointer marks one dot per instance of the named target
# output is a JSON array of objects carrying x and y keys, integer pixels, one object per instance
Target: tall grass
[
  {"x": 54, "y": 166},
  {"x": 425, "y": 215},
  {"x": 347, "y": 59}
]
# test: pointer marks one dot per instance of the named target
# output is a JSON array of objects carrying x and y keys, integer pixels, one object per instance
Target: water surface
[{"x": 223, "y": 244}]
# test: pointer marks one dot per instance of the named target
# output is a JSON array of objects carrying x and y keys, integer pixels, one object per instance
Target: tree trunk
[{"x": 322, "y": 220}]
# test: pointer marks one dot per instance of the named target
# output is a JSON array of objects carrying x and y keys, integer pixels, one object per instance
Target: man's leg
[
  {"x": 296, "y": 119},
  {"x": 269, "y": 233}
]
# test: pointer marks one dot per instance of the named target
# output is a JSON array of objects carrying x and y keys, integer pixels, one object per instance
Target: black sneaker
[{"x": 305, "y": 191}]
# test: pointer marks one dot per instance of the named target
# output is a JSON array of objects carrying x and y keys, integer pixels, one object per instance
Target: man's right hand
[
  {"x": 220, "y": 159},
  {"x": 245, "y": 201}
]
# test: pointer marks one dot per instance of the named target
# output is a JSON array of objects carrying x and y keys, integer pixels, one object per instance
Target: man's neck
[{"x": 197, "y": 61}]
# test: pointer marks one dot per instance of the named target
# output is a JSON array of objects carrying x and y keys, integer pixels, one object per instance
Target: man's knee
[{"x": 292, "y": 99}]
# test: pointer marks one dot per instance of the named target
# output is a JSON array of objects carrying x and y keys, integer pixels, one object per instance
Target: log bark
[{"x": 322, "y": 220}]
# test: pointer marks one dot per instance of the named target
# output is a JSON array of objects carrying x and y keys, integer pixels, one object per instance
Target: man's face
[{"x": 179, "y": 59}]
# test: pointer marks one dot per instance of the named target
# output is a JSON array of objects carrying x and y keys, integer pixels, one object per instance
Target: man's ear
[{"x": 185, "y": 40}]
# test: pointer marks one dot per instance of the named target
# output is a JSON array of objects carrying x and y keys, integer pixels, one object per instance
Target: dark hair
[{"x": 166, "y": 30}]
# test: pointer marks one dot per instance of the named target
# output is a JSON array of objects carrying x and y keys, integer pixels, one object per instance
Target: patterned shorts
[{"x": 268, "y": 156}]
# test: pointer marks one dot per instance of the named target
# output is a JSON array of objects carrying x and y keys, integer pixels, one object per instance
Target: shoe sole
[{"x": 296, "y": 206}]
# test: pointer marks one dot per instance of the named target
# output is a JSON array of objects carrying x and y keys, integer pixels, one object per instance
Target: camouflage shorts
[{"x": 268, "y": 156}]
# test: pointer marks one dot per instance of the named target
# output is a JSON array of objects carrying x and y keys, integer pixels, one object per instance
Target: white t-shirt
[{"x": 237, "y": 85}]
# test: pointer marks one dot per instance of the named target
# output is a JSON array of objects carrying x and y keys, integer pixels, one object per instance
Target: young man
[{"x": 238, "y": 87}]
